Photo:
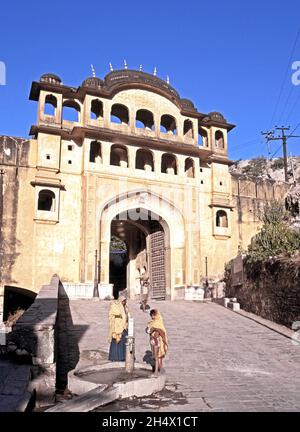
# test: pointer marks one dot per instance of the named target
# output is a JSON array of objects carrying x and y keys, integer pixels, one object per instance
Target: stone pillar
[
  {"x": 157, "y": 125},
  {"x": 131, "y": 121},
  {"x": 197, "y": 167},
  {"x": 157, "y": 162},
  {"x": 131, "y": 157},
  {"x": 106, "y": 113},
  {"x": 180, "y": 165},
  {"x": 105, "y": 150},
  {"x": 104, "y": 277}
]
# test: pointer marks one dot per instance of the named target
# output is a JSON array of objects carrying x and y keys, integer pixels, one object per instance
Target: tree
[
  {"x": 256, "y": 167},
  {"x": 117, "y": 244},
  {"x": 275, "y": 237}
]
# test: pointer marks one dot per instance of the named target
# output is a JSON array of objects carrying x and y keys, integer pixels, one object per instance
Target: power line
[
  {"x": 286, "y": 103},
  {"x": 285, "y": 77},
  {"x": 294, "y": 130},
  {"x": 292, "y": 109},
  {"x": 274, "y": 154},
  {"x": 270, "y": 137},
  {"x": 237, "y": 146}
]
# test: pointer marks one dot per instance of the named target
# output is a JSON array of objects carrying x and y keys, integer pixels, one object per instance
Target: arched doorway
[
  {"x": 162, "y": 226},
  {"x": 144, "y": 236}
]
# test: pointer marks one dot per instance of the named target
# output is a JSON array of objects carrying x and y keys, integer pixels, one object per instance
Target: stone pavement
[
  {"x": 217, "y": 359},
  {"x": 14, "y": 380}
]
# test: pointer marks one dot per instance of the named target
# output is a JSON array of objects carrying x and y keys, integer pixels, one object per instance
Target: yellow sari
[
  {"x": 157, "y": 324},
  {"x": 117, "y": 320}
]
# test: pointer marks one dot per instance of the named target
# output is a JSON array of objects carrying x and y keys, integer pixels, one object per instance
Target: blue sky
[{"x": 228, "y": 56}]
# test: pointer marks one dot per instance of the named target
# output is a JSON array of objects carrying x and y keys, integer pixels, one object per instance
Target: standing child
[{"x": 158, "y": 339}]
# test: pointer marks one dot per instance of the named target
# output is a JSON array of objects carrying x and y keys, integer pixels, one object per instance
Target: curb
[{"x": 278, "y": 328}]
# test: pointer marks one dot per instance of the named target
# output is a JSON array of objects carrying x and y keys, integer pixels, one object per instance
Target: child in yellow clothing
[{"x": 158, "y": 339}]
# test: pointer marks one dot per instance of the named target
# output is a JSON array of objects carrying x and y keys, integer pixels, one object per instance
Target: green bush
[{"x": 275, "y": 237}]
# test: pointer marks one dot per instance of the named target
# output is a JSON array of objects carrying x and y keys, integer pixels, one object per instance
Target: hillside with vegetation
[{"x": 262, "y": 168}]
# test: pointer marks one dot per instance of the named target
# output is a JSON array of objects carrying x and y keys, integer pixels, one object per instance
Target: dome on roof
[
  {"x": 50, "y": 78},
  {"x": 93, "y": 82},
  {"x": 216, "y": 116},
  {"x": 188, "y": 104}
]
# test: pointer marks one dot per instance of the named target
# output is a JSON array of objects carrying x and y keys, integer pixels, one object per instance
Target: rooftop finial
[
  {"x": 154, "y": 73},
  {"x": 110, "y": 67},
  {"x": 93, "y": 71},
  {"x": 125, "y": 64},
  {"x": 141, "y": 67},
  {"x": 168, "y": 79}
]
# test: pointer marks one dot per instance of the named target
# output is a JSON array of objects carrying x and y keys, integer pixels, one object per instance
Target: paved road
[{"x": 217, "y": 359}]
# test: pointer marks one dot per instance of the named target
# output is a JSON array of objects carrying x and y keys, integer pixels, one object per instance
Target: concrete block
[
  {"x": 226, "y": 301},
  {"x": 234, "y": 306}
]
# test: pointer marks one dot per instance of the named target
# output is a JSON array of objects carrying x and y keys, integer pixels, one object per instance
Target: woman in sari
[
  {"x": 158, "y": 339},
  {"x": 118, "y": 325}
]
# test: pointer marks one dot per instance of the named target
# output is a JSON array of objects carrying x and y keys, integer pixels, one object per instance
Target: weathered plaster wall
[{"x": 271, "y": 290}]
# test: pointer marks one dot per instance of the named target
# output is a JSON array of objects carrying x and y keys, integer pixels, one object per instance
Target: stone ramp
[{"x": 218, "y": 359}]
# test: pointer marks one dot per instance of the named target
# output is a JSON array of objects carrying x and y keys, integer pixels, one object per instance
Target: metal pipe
[
  {"x": 130, "y": 354},
  {"x": 96, "y": 291}
]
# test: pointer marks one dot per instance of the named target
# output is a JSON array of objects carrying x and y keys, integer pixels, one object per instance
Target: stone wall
[
  {"x": 35, "y": 330},
  {"x": 271, "y": 290},
  {"x": 35, "y": 335}
]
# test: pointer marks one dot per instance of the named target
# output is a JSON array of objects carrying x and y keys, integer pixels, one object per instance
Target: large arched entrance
[
  {"x": 153, "y": 230},
  {"x": 143, "y": 253}
]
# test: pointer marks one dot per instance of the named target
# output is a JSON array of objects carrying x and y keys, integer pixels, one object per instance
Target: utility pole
[
  {"x": 270, "y": 137},
  {"x": 293, "y": 171}
]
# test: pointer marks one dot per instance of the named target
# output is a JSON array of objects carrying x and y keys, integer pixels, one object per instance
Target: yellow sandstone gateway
[{"x": 124, "y": 158}]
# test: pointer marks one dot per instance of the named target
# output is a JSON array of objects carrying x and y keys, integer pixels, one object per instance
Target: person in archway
[
  {"x": 158, "y": 339},
  {"x": 118, "y": 326},
  {"x": 145, "y": 290}
]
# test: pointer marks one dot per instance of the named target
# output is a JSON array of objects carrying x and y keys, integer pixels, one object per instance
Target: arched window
[
  {"x": 71, "y": 111},
  {"x": 144, "y": 119},
  {"x": 118, "y": 155},
  {"x": 119, "y": 114},
  {"x": 188, "y": 130},
  {"x": 202, "y": 137},
  {"x": 219, "y": 139},
  {"x": 46, "y": 200},
  {"x": 96, "y": 109},
  {"x": 221, "y": 219},
  {"x": 144, "y": 160},
  {"x": 168, "y": 164},
  {"x": 95, "y": 151},
  {"x": 50, "y": 105},
  {"x": 168, "y": 124},
  {"x": 189, "y": 168}
]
